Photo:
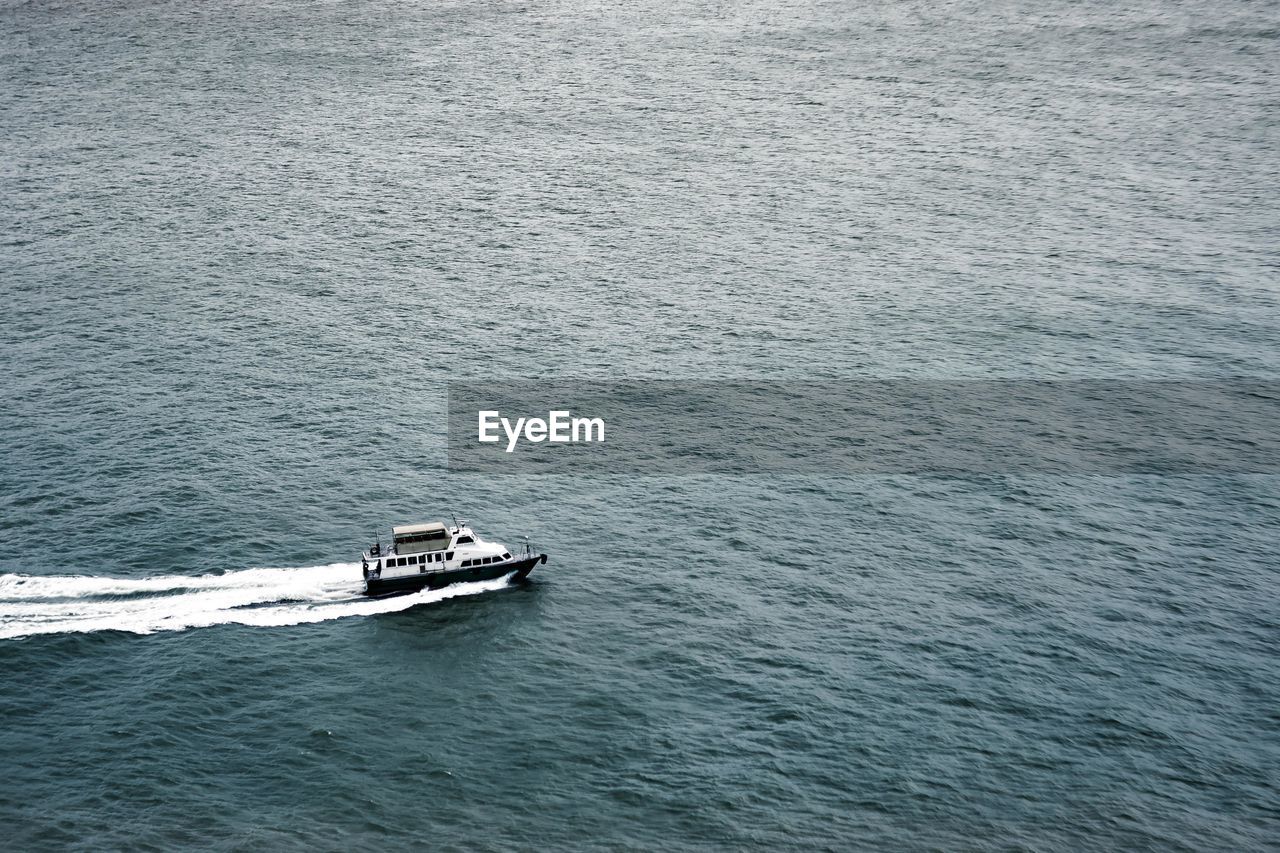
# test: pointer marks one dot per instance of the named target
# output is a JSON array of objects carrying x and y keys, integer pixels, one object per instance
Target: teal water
[{"x": 244, "y": 248}]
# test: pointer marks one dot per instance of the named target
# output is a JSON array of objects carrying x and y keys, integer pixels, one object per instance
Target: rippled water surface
[{"x": 244, "y": 247}]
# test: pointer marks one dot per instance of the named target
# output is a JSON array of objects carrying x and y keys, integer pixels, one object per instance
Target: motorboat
[{"x": 432, "y": 555}]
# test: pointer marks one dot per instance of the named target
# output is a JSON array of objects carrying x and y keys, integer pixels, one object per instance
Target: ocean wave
[{"x": 32, "y": 604}]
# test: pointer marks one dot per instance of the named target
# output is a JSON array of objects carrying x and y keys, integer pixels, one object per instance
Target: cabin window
[
  {"x": 488, "y": 560},
  {"x": 449, "y": 555},
  {"x": 466, "y": 563},
  {"x": 506, "y": 556},
  {"x": 464, "y": 540}
]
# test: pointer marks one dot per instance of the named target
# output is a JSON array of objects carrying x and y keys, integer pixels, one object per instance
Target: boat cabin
[
  {"x": 420, "y": 538},
  {"x": 432, "y": 547}
]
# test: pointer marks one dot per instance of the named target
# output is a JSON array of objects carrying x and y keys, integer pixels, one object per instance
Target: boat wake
[{"x": 31, "y": 604}]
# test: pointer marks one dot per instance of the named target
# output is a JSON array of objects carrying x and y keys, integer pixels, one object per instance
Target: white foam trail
[{"x": 264, "y": 597}]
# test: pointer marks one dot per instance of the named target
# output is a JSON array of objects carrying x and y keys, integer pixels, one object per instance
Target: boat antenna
[{"x": 454, "y": 516}]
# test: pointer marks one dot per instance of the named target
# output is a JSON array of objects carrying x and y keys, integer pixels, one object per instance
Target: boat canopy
[{"x": 416, "y": 538}]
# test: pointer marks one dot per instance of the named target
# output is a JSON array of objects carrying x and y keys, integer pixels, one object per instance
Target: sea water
[{"x": 245, "y": 248}]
